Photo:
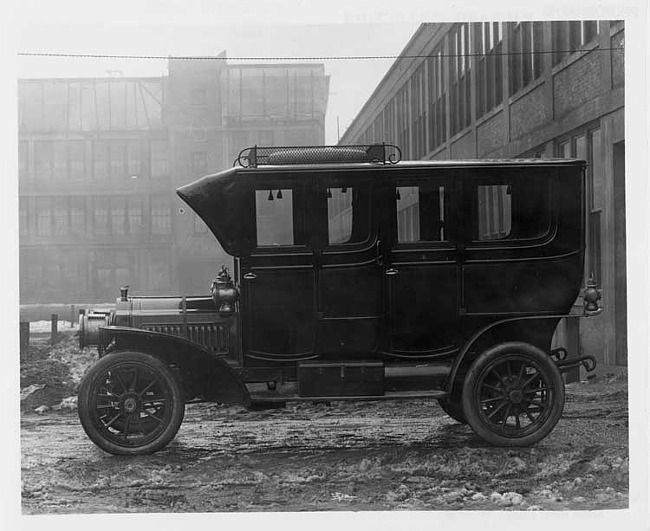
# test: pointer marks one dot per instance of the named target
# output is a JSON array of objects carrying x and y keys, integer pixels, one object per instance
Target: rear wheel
[
  {"x": 513, "y": 395},
  {"x": 130, "y": 403}
]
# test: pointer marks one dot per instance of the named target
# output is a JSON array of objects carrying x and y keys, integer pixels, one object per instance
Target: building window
[
  {"x": 111, "y": 268},
  {"x": 526, "y": 58},
  {"x": 134, "y": 206},
  {"x": 587, "y": 145},
  {"x": 60, "y": 217},
  {"x": 117, "y": 158},
  {"x": 43, "y": 216},
  {"x": 57, "y": 160},
  {"x": 101, "y": 209},
  {"x": 159, "y": 158},
  {"x": 161, "y": 217},
  {"x": 158, "y": 270},
  {"x": 419, "y": 116},
  {"x": 569, "y": 37},
  {"x": 77, "y": 216},
  {"x": 437, "y": 101},
  {"x": 100, "y": 167},
  {"x": 581, "y": 32},
  {"x": 402, "y": 120},
  {"x": 134, "y": 158},
  {"x": 43, "y": 160},
  {"x": 388, "y": 115},
  {"x": 459, "y": 69},
  {"x": 60, "y": 162},
  {"x": 378, "y": 129},
  {"x": 118, "y": 215},
  {"x": 490, "y": 70},
  {"x": 76, "y": 160}
]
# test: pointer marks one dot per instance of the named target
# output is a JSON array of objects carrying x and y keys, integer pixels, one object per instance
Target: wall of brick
[
  {"x": 577, "y": 83},
  {"x": 529, "y": 112},
  {"x": 464, "y": 147},
  {"x": 491, "y": 134}
]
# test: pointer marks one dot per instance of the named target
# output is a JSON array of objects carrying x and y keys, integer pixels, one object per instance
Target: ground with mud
[{"x": 405, "y": 455}]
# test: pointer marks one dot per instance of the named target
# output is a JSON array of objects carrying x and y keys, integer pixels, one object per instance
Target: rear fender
[
  {"x": 204, "y": 375},
  {"x": 537, "y": 331}
]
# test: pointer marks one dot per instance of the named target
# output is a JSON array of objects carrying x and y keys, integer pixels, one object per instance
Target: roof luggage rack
[{"x": 252, "y": 157}]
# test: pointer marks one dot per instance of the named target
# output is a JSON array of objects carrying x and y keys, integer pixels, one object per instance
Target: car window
[
  {"x": 278, "y": 217},
  {"x": 494, "y": 212},
  {"x": 348, "y": 215},
  {"x": 519, "y": 209},
  {"x": 421, "y": 213}
]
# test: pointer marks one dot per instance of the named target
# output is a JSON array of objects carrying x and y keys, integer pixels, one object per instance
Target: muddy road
[{"x": 345, "y": 456}]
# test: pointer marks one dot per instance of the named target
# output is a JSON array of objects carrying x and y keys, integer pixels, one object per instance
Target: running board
[{"x": 271, "y": 397}]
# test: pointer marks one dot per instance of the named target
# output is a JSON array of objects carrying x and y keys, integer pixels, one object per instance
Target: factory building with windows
[
  {"x": 513, "y": 90},
  {"x": 100, "y": 160}
]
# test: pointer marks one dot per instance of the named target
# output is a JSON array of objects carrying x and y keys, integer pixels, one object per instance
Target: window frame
[
  {"x": 341, "y": 181},
  {"x": 450, "y": 220},
  {"x": 505, "y": 176},
  {"x": 274, "y": 183}
]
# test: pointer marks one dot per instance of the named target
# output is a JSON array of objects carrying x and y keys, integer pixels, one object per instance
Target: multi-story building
[
  {"x": 100, "y": 160},
  {"x": 521, "y": 89}
]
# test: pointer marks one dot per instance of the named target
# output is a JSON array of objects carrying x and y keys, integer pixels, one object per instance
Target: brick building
[
  {"x": 522, "y": 89},
  {"x": 100, "y": 159}
]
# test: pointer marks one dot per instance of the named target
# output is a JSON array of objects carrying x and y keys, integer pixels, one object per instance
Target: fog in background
[{"x": 351, "y": 81}]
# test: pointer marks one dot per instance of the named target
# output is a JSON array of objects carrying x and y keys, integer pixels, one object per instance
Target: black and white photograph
[{"x": 364, "y": 265}]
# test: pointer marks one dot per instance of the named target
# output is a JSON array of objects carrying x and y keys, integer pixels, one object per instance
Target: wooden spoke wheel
[
  {"x": 513, "y": 395},
  {"x": 130, "y": 403}
]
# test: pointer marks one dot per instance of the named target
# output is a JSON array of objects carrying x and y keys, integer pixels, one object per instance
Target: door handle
[
  {"x": 250, "y": 276},
  {"x": 391, "y": 271}
]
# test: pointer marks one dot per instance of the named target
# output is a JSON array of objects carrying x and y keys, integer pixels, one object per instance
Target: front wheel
[
  {"x": 130, "y": 403},
  {"x": 513, "y": 395}
]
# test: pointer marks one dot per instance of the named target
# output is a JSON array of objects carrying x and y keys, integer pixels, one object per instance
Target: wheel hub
[
  {"x": 516, "y": 396},
  {"x": 130, "y": 404}
]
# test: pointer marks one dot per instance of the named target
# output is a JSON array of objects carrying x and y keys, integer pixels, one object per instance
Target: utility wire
[{"x": 320, "y": 58}]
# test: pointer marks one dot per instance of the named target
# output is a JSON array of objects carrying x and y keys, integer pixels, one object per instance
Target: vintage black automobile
[{"x": 357, "y": 276}]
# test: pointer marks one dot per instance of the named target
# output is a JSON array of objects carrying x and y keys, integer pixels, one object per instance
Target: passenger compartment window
[
  {"x": 276, "y": 217},
  {"x": 494, "y": 212},
  {"x": 421, "y": 214},
  {"x": 348, "y": 215},
  {"x": 517, "y": 210}
]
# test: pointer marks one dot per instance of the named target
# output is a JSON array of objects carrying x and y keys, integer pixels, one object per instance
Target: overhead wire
[{"x": 302, "y": 58}]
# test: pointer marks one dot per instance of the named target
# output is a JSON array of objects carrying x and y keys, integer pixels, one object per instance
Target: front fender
[{"x": 204, "y": 374}]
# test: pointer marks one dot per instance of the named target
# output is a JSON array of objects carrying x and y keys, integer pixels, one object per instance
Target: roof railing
[{"x": 254, "y": 156}]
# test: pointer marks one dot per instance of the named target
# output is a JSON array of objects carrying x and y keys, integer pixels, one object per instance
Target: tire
[
  {"x": 453, "y": 408},
  {"x": 130, "y": 403},
  {"x": 513, "y": 395}
]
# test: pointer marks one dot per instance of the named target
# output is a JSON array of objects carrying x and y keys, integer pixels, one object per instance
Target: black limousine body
[{"x": 358, "y": 276}]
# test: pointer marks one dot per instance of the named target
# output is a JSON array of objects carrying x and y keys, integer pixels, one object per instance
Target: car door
[
  {"x": 348, "y": 266},
  {"x": 422, "y": 274},
  {"x": 278, "y": 272}
]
